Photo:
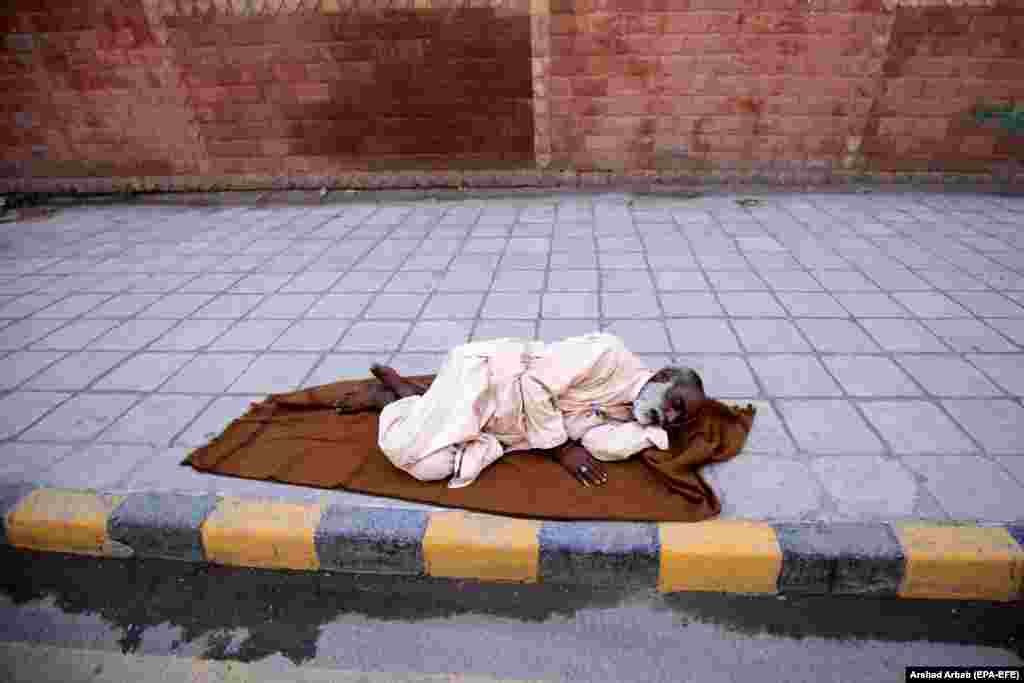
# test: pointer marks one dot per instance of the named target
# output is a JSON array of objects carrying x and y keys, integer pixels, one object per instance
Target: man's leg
[{"x": 390, "y": 377}]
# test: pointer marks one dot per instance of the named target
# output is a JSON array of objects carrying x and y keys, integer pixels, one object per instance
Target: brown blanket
[{"x": 326, "y": 437}]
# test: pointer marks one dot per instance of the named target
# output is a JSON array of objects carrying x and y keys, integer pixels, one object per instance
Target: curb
[{"x": 895, "y": 560}]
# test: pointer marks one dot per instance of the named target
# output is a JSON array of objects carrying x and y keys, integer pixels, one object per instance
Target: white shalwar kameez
[{"x": 503, "y": 395}]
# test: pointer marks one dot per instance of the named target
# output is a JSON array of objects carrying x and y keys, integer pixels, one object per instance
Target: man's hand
[{"x": 580, "y": 464}]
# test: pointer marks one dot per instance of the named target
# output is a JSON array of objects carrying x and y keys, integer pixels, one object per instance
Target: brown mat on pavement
[{"x": 326, "y": 437}]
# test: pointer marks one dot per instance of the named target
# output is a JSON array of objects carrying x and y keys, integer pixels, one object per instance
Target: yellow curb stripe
[
  {"x": 254, "y": 533},
  {"x": 729, "y": 556},
  {"x": 960, "y": 562},
  {"x": 485, "y": 547},
  {"x": 63, "y": 521}
]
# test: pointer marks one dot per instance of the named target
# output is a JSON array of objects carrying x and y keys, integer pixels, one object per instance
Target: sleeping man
[{"x": 584, "y": 400}]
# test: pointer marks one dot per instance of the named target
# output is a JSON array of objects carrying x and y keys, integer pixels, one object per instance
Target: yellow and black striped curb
[{"x": 906, "y": 560}]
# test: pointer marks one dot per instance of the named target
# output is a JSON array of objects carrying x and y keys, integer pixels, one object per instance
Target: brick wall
[{"x": 201, "y": 92}]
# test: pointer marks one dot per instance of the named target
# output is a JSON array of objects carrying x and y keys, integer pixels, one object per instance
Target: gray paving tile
[
  {"x": 829, "y": 427},
  {"x": 622, "y": 259},
  {"x": 123, "y": 306},
  {"x": 626, "y": 281},
  {"x": 998, "y": 425},
  {"x": 870, "y": 376},
  {"x": 99, "y": 466},
  {"x": 213, "y": 283},
  {"x": 73, "y": 306},
  {"x": 641, "y": 336},
  {"x": 76, "y": 371},
  {"x": 735, "y": 280},
  {"x": 723, "y": 376},
  {"x": 871, "y": 304},
  {"x": 19, "y": 409},
  {"x": 685, "y": 304},
  {"x": 338, "y": 366},
  {"x": 504, "y": 305},
  {"x": 989, "y": 304},
  {"x": 930, "y": 305},
  {"x": 971, "y": 335},
  {"x": 679, "y": 280},
  {"x": 894, "y": 278},
  {"x": 902, "y": 335},
  {"x": 720, "y": 260},
  {"x": 794, "y": 376},
  {"x": 970, "y": 487},
  {"x": 750, "y": 487},
  {"x": 573, "y": 260},
  {"x": 573, "y": 281},
  {"x": 1006, "y": 370},
  {"x": 480, "y": 263},
  {"x": 811, "y": 304},
  {"x": 26, "y": 462},
  {"x": 26, "y": 305},
  {"x": 191, "y": 335},
  {"x": 311, "y": 335},
  {"x": 844, "y": 281},
  {"x": 414, "y": 282},
  {"x": 1013, "y": 328},
  {"x": 24, "y": 332},
  {"x": 374, "y": 336},
  {"x": 630, "y": 305},
  {"x": 948, "y": 375},
  {"x": 1014, "y": 464},
  {"x": 836, "y": 336},
  {"x": 770, "y": 336},
  {"x": 259, "y": 283},
  {"x": 283, "y": 306},
  {"x": 144, "y": 372},
  {"x": 702, "y": 335},
  {"x": 339, "y": 306},
  {"x": 570, "y": 305},
  {"x": 868, "y": 487},
  {"x": 362, "y": 281},
  {"x": 951, "y": 280},
  {"x": 751, "y": 304},
  {"x": 916, "y": 427},
  {"x": 250, "y": 335},
  {"x": 396, "y": 306},
  {"x": 131, "y": 335},
  {"x": 229, "y": 306},
  {"x": 275, "y": 373},
  {"x": 418, "y": 363},
  {"x": 21, "y": 365},
  {"x": 453, "y": 305},
  {"x": 437, "y": 335},
  {"x": 163, "y": 471},
  {"x": 518, "y": 281},
  {"x": 177, "y": 306},
  {"x": 209, "y": 373},
  {"x": 80, "y": 418},
  {"x": 155, "y": 420},
  {"x": 312, "y": 282},
  {"x": 520, "y": 329},
  {"x": 790, "y": 280},
  {"x": 465, "y": 281}
]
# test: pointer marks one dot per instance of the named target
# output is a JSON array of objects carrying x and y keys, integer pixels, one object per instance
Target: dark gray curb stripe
[
  {"x": 166, "y": 525},
  {"x": 841, "y": 559},
  {"x": 614, "y": 553},
  {"x": 10, "y": 496},
  {"x": 377, "y": 540}
]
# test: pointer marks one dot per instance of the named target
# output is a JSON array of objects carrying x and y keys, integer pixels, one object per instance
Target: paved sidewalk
[{"x": 880, "y": 335}]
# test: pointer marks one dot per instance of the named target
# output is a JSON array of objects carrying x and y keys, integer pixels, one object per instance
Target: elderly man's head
[{"x": 669, "y": 397}]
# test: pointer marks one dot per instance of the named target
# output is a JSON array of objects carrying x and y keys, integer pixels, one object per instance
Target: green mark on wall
[{"x": 1008, "y": 116}]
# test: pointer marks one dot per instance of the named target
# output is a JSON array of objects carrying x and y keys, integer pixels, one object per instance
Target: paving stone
[
  {"x": 283, "y": 306},
  {"x": 626, "y": 281},
  {"x": 790, "y": 280},
  {"x": 768, "y": 434},
  {"x": 1014, "y": 464},
  {"x": 75, "y": 335},
  {"x": 570, "y": 305},
  {"x": 275, "y": 373},
  {"x": 552, "y": 330},
  {"x": 766, "y": 487},
  {"x": 229, "y": 306},
  {"x": 989, "y": 304},
  {"x": 144, "y": 372},
  {"x": 871, "y": 304},
  {"x": 573, "y": 281},
  {"x": 870, "y": 376},
  {"x": 191, "y": 335},
  {"x": 97, "y": 466},
  {"x": 950, "y": 280},
  {"x": 844, "y": 281},
  {"x": 972, "y": 335},
  {"x": 76, "y": 371},
  {"x": 930, "y": 305},
  {"x": 641, "y": 336},
  {"x": 750, "y": 304},
  {"x": 418, "y": 363},
  {"x": 445, "y": 305},
  {"x": 829, "y": 427},
  {"x": 155, "y": 420},
  {"x": 868, "y": 487},
  {"x": 680, "y": 280},
  {"x": 916, "y": 427},
  {"x": 251, "y": 335},
  {"x": 212, "y": 283},
  {"x": 132, "y": 335},
  {"x": 521, "y": 329},
  {"x": 338, "y": 366},
  {"x": 259, "y": 283},
  {"x": 794, "y": 375},
  {"x": 811, "y": 304},
  {"x": 721, "y": 260},
  {"x": 316, "y": 281},
  {"x": 437, "y": 335},
  {"x": 622, "y": 259},
  {"x": 630, "y": 305},
  {"x": 735, "y": 280},
  {"x": 466, "y": 280},
  {"x": 78, "y": 419},
  {"x": 771, "y": 336},
  {"x": 896, "y": 278},
  {"x": 573, "y": 260},
  {"x": 1006, "y": 370},
  {"x": 19, "y": 334},
  {"x": 177, "y": 306},
  {"x": 518, "y": 281},
  {"x": 21, "y": 365},
  {"x": 26, "y": 462},
  {"x": 945, "y": 375},
  {"x": 902, "y": 335},
  {"x": 362, "y": 281},
  {"x": 686, "y": 304},
  {"x": 970, "y": 487},
  {"x": 702, "y": 335},
  {"x": 209, "y": 373},
  {"x": 998, "y": 425},
  {"x": 396, "y": 306},
  {"x": 123, "y": 306},
  {"x": 502, "y": 305},
  {"x": 74, "y": 306}
]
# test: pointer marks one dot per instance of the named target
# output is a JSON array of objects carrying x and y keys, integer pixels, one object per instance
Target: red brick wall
[
  {"x": 847, "y": 84},
  {"x": 207, "y": 90}
]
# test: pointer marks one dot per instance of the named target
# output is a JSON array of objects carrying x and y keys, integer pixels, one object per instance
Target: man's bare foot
[{"x": 390, "y": 377}]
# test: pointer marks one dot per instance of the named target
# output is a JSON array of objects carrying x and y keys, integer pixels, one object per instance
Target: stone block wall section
[{"x": 101, "y": 95}]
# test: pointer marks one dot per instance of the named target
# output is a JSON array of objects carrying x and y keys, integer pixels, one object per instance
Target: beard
[{"x": 648, "y": 407}]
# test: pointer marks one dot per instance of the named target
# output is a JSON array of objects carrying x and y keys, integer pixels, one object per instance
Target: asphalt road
[{"x": 69, "y": 619}]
